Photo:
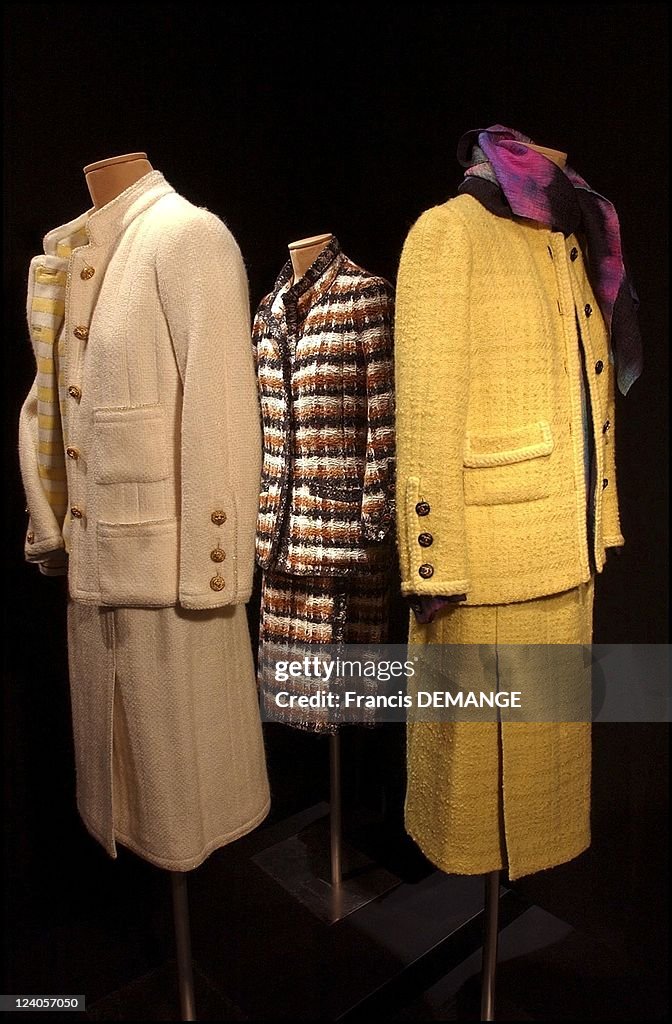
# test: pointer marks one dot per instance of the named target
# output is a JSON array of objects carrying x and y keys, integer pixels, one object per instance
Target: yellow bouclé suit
[{"x": 495, "y": 317}]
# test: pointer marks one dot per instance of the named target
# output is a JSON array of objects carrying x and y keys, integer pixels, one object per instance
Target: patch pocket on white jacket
[
  {"x": 508, "y": 467},
  {"x": 130, "y": 445},
  {"x": 138, "y": 563}
]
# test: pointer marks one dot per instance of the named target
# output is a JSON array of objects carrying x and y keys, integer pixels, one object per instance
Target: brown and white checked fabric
[
  {"x": 297, "y": 611},
  {"x": 323, "y": 348}
]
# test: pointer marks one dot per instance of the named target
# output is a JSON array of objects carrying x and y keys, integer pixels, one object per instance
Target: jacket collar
[
  {"x": 316, "y": 280},
  {"x": 490, "y": 195},
  {"x": 105, "y": 224}
]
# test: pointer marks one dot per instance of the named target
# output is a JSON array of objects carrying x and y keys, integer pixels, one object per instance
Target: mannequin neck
[
  {"x": 107, "y": 179},
  {"x": 305, "y": 251},
  {"x": 551, "y": 154}
]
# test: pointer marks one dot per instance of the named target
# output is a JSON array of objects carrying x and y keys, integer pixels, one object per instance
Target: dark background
[{"x": 288, "y": 120}]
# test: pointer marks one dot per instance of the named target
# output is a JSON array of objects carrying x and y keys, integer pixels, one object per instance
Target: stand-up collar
[
  {"x": 317, "y": 278},
  {"x": 105, "y": 224}
]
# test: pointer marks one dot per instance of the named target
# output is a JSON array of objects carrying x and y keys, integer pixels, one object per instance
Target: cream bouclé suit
[{"x": 140, "y": 456}]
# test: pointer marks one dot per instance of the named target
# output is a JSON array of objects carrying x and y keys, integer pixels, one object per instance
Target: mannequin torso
[
  {"x": 305, "y": 251},
  {"x": 106, "y": 179}
]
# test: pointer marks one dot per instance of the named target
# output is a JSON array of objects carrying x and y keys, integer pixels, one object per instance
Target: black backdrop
[{"x": 288, "y": 120}]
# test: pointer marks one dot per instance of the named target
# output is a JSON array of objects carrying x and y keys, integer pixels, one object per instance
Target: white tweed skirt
[{"x": 168, "y": 743}]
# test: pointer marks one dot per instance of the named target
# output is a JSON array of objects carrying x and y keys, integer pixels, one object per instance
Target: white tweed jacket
[{"x": 140, "y": 440}]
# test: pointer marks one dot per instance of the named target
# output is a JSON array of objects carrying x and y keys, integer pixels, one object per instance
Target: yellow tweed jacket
[{"x": 494, "y": 316}]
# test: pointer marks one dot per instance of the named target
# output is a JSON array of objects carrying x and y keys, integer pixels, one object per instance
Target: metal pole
[
  {"x": 185, "y": 972},
  {"x": 336, "y": 836},
  {"x": 489, "y": 969}
]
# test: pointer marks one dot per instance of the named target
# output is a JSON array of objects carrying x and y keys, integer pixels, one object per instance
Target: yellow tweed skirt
[{"x": 484, "y": 796}]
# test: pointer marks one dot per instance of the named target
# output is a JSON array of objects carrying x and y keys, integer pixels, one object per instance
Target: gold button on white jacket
[{"x": 139, "y": 318}]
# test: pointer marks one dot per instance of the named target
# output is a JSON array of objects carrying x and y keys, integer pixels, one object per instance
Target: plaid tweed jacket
[{"x": 323, "y": 349}]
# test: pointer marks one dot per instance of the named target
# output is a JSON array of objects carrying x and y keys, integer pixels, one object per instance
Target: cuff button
[
  {"x": 218, "y": 517},
  {"x": 217, "y": 583},
  {"x": 426, "y": 571}
]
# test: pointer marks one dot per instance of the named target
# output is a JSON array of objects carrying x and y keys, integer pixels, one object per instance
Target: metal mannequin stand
[
  {"x": 185, "y": 972},
  {"x": 348, "y": 881},
  {"x": 491, "y": 934},
  {"x": 335, "y": 825}
]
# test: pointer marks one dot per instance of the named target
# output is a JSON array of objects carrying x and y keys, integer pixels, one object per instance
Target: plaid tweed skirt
[{"x": 300, "y": 610}]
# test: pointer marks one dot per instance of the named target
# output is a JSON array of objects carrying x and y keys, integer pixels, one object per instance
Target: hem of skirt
[
  {"x": 189, "y": 863},
  {"x": 108, "y": 844},
  {"x": 305, "y": 726},
  {"x": 547, "y": 865},
  {"x": 457, "y": 867}
]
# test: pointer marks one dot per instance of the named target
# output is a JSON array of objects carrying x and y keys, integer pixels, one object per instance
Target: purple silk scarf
[{"x": 536, "y": 188}]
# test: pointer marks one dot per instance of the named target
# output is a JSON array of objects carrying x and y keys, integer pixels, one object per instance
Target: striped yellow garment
[{"x": 47, "y": 310}]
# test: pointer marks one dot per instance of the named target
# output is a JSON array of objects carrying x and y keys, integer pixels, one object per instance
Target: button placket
[
  {"x": 79, "y": 313},
  {"x": 558, "y": 254}
]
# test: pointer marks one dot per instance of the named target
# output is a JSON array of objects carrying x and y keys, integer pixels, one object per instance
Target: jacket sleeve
[
  {"x": 432, "y": 339},
  {"x": 378, "y": 496},
  {"x": 257, "y": 332},
  {"x": 41, "y": 455},
  {"x": 44, "y": 543},
  {"x": 203, "y": 287}
]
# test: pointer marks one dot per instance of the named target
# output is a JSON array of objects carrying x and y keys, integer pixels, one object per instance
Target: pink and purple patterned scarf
[{"x": 536, "y": 188}]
